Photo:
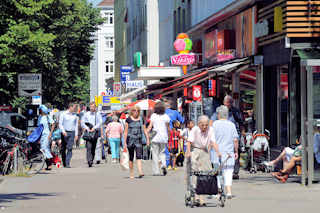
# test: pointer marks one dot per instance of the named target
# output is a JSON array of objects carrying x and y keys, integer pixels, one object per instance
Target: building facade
[{"x": 102, "y": 67}]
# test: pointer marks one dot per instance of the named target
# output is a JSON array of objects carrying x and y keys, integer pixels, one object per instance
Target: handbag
[
  {"x": 90, "y": 136},
  {"x": 144, "y": 139},
  {"x": 207, "y": 185},
  {"x": 124, "y": 160}
]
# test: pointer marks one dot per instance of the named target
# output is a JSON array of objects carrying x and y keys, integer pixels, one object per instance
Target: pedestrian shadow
[{"x": 9, "y": 198}]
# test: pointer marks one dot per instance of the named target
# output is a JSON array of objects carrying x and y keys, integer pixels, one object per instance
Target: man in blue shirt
[{"x": 173, "y": 114}]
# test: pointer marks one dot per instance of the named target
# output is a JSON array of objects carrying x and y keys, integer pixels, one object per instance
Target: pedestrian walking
[
  {"x": 226, "y": 140},
  {"x": 114, "y": 133},
  {"x": 235, "y": 116},
  {"x": 134, "y": 132},
  {"x": 199, "y": 143},
  {"x": 159, "y": 122},
  {"x": 91, "y": 123},
  {"x": 45, "y": 120},
  {"x": 68, "y": 124},
  {"x": 173, "y": 145}
]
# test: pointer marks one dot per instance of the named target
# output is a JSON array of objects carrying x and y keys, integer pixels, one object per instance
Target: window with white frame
[
  {"x": 109, "y": 66},
  {"x": 109, "y": 42},
  {"x": 109, "y": 17}
]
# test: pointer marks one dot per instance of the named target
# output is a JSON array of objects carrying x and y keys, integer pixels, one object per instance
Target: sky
[{"x": 94, "y": 2}]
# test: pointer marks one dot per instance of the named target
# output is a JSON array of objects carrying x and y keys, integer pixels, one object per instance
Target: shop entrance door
[{"x": 310, "y": 117}]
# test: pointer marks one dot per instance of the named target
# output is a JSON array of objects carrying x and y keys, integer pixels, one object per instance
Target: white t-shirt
[{"x": 160, "y": 127}]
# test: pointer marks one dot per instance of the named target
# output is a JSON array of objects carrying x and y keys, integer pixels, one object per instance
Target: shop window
[{"x": 284, "y": 105}]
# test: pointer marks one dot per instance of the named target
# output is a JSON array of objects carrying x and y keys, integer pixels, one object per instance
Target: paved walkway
[{"x": 106, "y": 188}]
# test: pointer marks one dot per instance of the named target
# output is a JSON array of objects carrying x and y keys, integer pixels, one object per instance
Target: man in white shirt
[
  {"x": 94, "y": 119},
  {"x": 68, "y": 124}
]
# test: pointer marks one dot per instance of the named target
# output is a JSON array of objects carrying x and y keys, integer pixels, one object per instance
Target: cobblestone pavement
[{"x": 106, "y": 188}]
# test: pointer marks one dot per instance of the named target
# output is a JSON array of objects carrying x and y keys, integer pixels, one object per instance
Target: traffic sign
[{"x": 29, "y": 84}]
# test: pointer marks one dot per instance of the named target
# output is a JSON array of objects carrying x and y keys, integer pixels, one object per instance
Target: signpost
[{"x": 29, "y": 84}]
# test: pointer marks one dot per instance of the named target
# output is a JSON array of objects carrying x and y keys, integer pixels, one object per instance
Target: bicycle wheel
[{"x": 35, "y": 163}]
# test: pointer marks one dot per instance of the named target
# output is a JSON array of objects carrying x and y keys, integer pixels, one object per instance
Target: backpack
[{"x": 35, "y": 134}]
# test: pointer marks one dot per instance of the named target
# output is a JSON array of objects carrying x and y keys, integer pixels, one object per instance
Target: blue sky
[{"x": 94, "y": 2}]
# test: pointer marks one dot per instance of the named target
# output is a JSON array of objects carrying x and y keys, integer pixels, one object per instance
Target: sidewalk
[{"x": 105, "y": 188}]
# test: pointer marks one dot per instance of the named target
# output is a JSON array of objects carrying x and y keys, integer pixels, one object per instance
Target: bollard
[{"x": 15, "y": 161}]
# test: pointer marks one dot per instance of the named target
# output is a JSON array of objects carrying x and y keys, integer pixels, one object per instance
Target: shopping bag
[
  {"x": 98, "y": 151},
  {"x": 124, "y": 159}
]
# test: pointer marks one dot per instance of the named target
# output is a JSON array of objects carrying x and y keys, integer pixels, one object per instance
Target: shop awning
[
  {"x": 132, "y": 94},
  {"x": 235, "y": 65}
]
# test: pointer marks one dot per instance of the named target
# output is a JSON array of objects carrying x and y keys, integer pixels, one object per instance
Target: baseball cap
[{"x": 44, "y": 109}]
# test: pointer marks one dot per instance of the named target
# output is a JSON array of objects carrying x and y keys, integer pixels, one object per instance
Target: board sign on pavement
[{"x": 29, "y": 84}]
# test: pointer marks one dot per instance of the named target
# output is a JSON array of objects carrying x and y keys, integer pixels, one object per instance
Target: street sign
[
  {"x": 125, "y": 73},
  {"x": 29, "y": 84},
  {"x": 117, "y": 89},
  {"x": 37, "y": 100},
  {"x": 134, "y": 84}
]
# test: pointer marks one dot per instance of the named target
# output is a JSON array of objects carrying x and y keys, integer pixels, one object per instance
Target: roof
[{"x": 106, "y": 3}]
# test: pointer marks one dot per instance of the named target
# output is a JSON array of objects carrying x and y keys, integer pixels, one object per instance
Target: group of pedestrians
[{"x": 204, "y": 143}]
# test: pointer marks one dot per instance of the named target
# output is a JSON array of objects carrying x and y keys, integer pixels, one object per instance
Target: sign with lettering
[
  {"x": 29, "y": 84},
  {"x": 134, "y": 84},
  {"x": 196, "y": 93},
  {"x": 183, "y": 59}
]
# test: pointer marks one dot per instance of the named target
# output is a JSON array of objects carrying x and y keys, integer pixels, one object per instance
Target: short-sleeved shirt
[
  {"x": 45, "y": 121},
  {"x": 225, "y": 132},
  {"x": 114, "y": 130},
  {"x": 134, "y": 132},
  {"x": 159, "y": 123},
  {"x": 199, "y": 139},
  {"x": 174, "y": 115},
  {"x": 174, "y": 139}
]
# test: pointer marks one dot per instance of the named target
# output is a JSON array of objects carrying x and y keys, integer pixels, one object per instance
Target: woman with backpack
[{"x": 134, "y": 135}]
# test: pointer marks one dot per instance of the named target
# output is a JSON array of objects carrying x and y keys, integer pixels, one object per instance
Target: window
[
  {"x": 109, "y": 66},
  {"x": 109, "y": 42},
  {"x": 109, "y": 17}
]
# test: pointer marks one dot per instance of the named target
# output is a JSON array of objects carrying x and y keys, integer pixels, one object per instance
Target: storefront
[{"x": 288, "y": 40}]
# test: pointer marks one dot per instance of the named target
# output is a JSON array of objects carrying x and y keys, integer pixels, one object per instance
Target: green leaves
[{"x": 52, "y": 37}]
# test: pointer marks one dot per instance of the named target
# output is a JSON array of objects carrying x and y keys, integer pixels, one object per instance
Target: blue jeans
[{"x": 114, "y": 144}]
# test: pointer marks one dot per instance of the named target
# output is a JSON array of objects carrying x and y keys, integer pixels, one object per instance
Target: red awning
[{"x": 185, "y": 81}]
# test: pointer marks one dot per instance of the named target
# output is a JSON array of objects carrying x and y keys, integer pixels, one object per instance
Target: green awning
[{"x": 309, "y": 54}]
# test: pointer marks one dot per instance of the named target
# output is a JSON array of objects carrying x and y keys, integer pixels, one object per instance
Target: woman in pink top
[{"x": 114, "y": 132}]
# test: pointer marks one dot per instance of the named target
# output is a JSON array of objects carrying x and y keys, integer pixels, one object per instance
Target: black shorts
[
  {"x": 139, "y": 152},
  {"x": 173, "y": 151}
]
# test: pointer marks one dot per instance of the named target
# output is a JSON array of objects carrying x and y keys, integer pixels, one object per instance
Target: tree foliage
[{"x": 52, "y": 37}]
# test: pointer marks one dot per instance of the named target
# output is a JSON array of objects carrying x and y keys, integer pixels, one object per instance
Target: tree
[{"x": 52, "y": 37}]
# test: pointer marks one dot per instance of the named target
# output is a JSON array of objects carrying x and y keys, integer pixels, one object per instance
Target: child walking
[{"x": 173, "y": 144}]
